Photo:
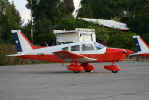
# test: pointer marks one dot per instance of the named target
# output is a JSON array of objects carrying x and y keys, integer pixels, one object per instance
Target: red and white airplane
[
  {"x": 78, "y": 54},
  {"x": 143, "y": 48}
]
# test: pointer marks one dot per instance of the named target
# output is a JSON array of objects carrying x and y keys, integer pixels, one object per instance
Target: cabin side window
[
  {"x": 87, "y": 47},
  {"x": 75, "y": 48},
  {"x": 65, "y": 48}
]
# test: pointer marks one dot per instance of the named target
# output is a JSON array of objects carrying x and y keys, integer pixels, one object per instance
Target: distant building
[{"x": 77, "y": 35}]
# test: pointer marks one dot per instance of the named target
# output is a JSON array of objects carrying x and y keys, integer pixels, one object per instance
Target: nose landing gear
[{"x": 112, "y": 68}]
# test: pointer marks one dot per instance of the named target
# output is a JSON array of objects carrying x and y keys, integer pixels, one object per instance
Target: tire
[
  {"x": 76, "y": 71},
  {"x": 89, "y": 71},
  {"x": 114, "y": 71}
]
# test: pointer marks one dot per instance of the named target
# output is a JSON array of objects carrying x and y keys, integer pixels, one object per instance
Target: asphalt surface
[{"x": 54, "y": 82}]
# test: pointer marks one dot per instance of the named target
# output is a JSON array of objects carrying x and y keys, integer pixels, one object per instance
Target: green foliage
[
  {"x": 122, "y": 40},
  {"x": 133, "y": 12},
  {"x": 47, "y": 14},
  {"x": 69, "y": 23},
  {"x": 9, "y": 19},
  {"x": 43, "y": 32},
  {"x": 145, "y": 37}
]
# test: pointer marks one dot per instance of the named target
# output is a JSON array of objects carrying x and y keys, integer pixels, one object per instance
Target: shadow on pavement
[{"x": 60, "y": 72}]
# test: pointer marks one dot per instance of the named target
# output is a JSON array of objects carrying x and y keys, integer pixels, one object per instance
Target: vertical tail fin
[
  {"x": 22, "y": 43},
  {"x": 140, "y": 44}
]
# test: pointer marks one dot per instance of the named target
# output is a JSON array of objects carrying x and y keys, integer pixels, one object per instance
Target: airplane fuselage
[{"x": 103, "y": 55}]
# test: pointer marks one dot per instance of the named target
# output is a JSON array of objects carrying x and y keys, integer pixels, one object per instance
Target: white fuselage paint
[{"x": 50, "y": 50}]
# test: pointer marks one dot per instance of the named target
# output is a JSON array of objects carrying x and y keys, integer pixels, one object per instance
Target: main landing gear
[
  {"x": 76, "y": 68},
  {"x": 87, "y": 67},
  {"x": 113, "y": 68}
]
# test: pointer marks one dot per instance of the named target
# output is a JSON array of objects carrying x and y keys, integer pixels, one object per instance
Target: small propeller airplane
[
  {"x": 79, "y": 54},
  {"x": 142, "y": 47}
]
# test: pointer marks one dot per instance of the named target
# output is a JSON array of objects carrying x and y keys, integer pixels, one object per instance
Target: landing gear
[
  {"x": 112, "y": 68},
  {"x": 76, "y": 68},
  {"x": 76, "y": 71},
  {"x": 87, "y": 67},
  {"x": 114, "y": 71}
]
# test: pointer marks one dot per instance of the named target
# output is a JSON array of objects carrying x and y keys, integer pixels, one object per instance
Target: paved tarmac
[{"x": 54, "y": 82}]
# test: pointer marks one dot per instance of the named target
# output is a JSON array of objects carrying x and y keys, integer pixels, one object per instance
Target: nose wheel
[
  {"x": 112, "y": 68},
  {"x": 115, "y": 71}
]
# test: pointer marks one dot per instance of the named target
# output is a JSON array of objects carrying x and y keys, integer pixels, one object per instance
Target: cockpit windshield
[{"x": 98, "y": 45}]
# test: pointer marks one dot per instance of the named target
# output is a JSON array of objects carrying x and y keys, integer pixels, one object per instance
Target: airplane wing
[{"x": 70, "y": 56}]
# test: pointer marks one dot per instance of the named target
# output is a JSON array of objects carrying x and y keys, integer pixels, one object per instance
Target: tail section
[
  {"x": 22, "y": 43},
  {"x": 140, "y": 44}
]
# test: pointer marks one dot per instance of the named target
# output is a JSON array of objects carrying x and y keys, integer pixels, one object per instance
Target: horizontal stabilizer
[
  {"x": 135, "y": 54},
  {"x": 15, "y": 55}
]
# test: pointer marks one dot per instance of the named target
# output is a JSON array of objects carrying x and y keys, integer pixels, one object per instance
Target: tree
[
  {"x": 9, "y": 19},
  {"x": 46, "y": 15}
]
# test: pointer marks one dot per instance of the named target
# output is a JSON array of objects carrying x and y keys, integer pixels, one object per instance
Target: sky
[{"x": 20, "y": 6}]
